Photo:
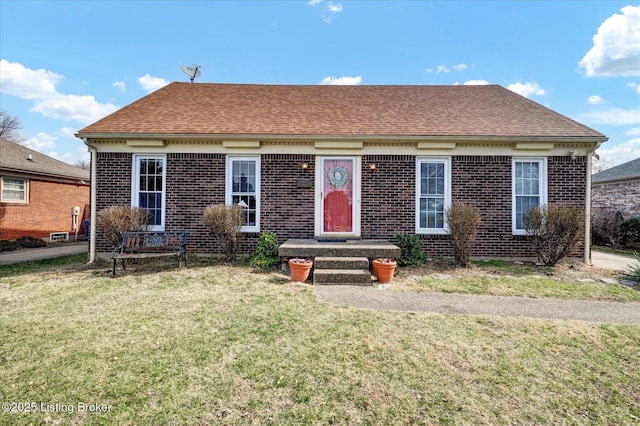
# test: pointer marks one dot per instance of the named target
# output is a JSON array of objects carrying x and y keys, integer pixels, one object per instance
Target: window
[
  {"x": 243, "y": 188},
  {"x": 149, "y": 187},
  {"x": 529, "y": 189},
  {"x": 15, "y": 190},
  {"x": 433, "y": 194}
]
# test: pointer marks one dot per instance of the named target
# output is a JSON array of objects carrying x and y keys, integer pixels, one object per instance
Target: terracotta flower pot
[
  {"x": 384, "y": 268},
  {"x": 300, "y": 269}
]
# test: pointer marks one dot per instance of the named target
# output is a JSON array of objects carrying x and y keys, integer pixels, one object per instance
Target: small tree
[
  {"x": 113, "y": 221},
  {"x": 556, "y": 231},
  {"x": 224, "y": 222},
  {"x": 463, "y": 221}
]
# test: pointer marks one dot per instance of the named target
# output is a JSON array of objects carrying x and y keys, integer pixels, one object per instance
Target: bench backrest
[{"x": 153, "y": 240}]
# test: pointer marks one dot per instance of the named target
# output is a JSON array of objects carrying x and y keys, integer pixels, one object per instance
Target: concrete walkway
[
  {"x": 26, "y": 255},
  {"x": 443, "y": 303}
]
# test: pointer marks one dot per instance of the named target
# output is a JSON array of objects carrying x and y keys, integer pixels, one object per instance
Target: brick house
[
  {"x": 38, "y": 193},
  {"x": 618, "y": 188},
  {"x": 363, "y": 162}
]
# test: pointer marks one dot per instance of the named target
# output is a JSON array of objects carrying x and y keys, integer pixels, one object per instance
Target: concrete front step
[
  {"x": 370, "y": 249},
  {"x": 341, "y": 277},
  {"x": 323, "y": 262}
]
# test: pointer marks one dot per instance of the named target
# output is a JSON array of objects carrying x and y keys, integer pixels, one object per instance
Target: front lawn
[{"x": 223, "y": 345}]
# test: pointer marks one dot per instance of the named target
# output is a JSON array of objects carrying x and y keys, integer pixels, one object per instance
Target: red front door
[{"x": 337, "y": 195}]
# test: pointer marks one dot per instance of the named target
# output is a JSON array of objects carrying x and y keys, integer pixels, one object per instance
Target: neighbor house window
[
  {"x": 433, "y": 194},
  {"x": 149, "y": 187},
  {"x": 529, "y": 189},
  {"x": 243, "y": 189},
  {"x": 15, "y": 190}
]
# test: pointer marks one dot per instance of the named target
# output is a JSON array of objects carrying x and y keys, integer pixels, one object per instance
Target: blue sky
[{"x": 66, "y": 64}]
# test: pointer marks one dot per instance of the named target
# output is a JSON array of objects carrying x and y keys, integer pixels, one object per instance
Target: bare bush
[
  {"x": 112, "y": 222},
  {"x": 463, "y": 221},
  {"x": 556, "y": 231},
  {"x": 224, "y": 222},
  {"x": 605, "y": 225}
]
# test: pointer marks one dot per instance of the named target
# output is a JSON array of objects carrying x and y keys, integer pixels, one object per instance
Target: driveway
[{"x": 611, "y": 261}]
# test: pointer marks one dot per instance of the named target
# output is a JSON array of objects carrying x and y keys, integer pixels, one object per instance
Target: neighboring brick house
[
  {"x": 618, "y": 188},
  {"x": 38, "y": 193},
  {"x": 364, "y": 162}
]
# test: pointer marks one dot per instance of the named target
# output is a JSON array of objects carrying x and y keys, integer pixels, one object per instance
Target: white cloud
[
  {"x": 66, "y": 132},
  {"x": 151, "y": 84},
  {"x": 341, "y": 81},
  {"x": 444, "y": 68},
  {"x": 616, "y": 46},
  {"x": 620, "y": 153},
  {"x": 475, "y": 83},
  {"x": 41, "y": 142},
  {"x": 527, "y": 89},
  {"x": 334, "y": 7},
  {"x": 595, "y": 100},
  {"x": 40, "y": 87},
  {"x": 120, "y": 85},
  {"x": 329, "y": 11},
  {"x": 614, "y": 116},
  {"x": 634, "y": 86},
  {"x": 635, "y": 131}
]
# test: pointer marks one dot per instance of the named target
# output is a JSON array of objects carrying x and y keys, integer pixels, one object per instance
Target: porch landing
[{"x": 371, "y": 249}]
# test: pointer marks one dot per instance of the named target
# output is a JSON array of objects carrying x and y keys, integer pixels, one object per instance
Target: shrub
[
  {"x": 266, "y": 255},
  {"x": 463, "y": 221},
  {"x": 411, "y": 253},
  {"x": 629, "y": 231},
  {"x": 224, "y": 222},
  {"x": 633, "y": 271},
  {"x": 555, "y": 230},
  {"x": 9, "y": 245},
  {"x": 113, "y": 221},
  {"x": 30, "y": 242},
  {"x": 605, "y": 226}
]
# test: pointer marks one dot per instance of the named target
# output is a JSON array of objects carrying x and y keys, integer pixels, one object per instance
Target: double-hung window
[
  {"x": 529, "y": 189},
  {"x": 14, "y": 190},
  {"x": 148, "y": 193},
  {"x": 243, "y": 189},
  {"x": 433, "y": 194}
]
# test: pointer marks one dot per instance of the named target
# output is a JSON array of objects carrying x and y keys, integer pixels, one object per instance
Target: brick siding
[
  {"x": 388, "y": 197},
  {"x": 48, "y": 210},
  {"x": 624, "y": 197}
]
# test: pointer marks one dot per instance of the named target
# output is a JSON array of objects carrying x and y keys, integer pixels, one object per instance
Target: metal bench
[{"x": 142, "y": 245}]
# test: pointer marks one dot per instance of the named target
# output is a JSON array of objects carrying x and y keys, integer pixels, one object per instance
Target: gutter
[
  {"x": 93, "y": 199},
  {"x": 587, "y": 206}
]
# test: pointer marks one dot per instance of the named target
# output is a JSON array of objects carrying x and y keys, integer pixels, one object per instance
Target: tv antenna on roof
[{"x": 192, "y": 72}]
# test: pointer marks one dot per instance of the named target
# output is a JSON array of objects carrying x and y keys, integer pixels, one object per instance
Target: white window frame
[
  {"x": 229, "y": 186},
  {"x": 25, "y": 198},
  {"x": 446, "y": 198},
  {"x": 135, "y": 185},
  {"x": 542, "y": 187}
]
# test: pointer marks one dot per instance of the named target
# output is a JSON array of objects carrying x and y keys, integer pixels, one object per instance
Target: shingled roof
[
  {"x": 18, "y": 158},
  {"x": 626, "y": 171},
  {"x": 340, "y": 111}
]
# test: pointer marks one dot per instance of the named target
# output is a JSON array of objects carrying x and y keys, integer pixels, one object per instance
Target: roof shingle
[
  {"x": 247, "y": 109},
  {"x": 14, "y": 157}
]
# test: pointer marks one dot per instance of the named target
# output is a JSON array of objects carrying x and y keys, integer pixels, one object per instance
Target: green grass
[{"x": 222, "y": 345}]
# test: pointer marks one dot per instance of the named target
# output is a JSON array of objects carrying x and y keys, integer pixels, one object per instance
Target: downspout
[
  {"x": 94, "y": 184},
  {"x": 587, "y": 207}
]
